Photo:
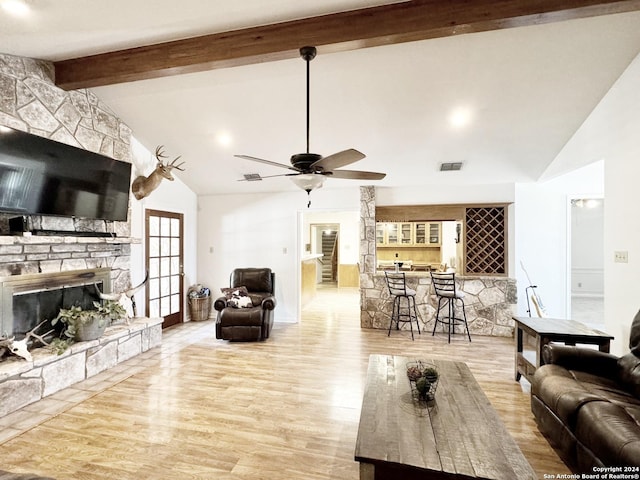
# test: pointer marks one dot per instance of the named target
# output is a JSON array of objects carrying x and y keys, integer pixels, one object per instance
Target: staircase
[{"x": 328, "y": 260}]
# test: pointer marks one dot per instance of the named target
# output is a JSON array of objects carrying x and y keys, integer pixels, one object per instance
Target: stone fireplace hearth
[{"x": 22, "y": 382}]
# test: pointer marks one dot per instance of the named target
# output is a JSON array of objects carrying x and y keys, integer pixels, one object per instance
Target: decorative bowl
[{"x": 423, "y": 378}]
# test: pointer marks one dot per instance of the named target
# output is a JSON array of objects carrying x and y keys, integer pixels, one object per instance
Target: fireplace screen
[{"x": 27, "y": 300}]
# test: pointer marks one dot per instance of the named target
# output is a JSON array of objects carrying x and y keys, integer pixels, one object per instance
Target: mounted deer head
[{"x": 142, "y": 186}]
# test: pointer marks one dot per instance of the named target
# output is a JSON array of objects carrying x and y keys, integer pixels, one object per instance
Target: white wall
[
  {"x": 171, "y": 197},
  {"x": 542, "y": 233},
  {"x": 435, "y": 194},
  {"x": 349, "y": 240},
  {"x": 611, "y": 133},
  {"x": 541, "y": 239},
  {"x": 449, "y": 248},
  {"x": 262, "y": 230}
]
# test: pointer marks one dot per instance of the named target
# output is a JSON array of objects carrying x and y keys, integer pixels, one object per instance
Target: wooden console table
[
  {"x": 458, "y": 435},
  {"x": 545, "y": 330}
]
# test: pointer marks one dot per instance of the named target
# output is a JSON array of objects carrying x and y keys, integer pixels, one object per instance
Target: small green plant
[
  {"x": 111, "y": 309},
  {"x": 430, "y": 373},
  {"x": 60, "y": 345},
  {"x": 423, "y": 386},
  {"x": 75, "y": 315}
]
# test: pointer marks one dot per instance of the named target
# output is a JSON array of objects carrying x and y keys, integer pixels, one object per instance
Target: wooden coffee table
[
  {"x": 458, "y": 435},
  {"x": 545, "y": 330}
]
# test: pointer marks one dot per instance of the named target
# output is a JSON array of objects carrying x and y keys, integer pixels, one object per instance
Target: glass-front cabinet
[
  {"x": 392, "y": 233},
  {"x": 408, "y": 234},
  {"x": 380, "y": 236},
  {"x": 420, "y": 233},
  {"x": 434, "y": 233}
]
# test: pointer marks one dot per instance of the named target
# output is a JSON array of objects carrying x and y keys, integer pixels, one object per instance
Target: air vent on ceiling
[
  {"x": 451, "y": 166},
  {"x": 252, "y": 177}
]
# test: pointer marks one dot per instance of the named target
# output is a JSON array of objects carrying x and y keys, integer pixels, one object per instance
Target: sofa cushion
[
  {"x": 251, "y": 316},
  {"x": 610, "y": 432},
  {"x": 629, "y": 372},
  {"x": 558, "y": 388},
  {"x": 255, "y": 279},
  {"x": 634, "y": 336}
]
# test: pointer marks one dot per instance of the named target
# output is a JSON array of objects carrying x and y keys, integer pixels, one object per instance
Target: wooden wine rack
[{"x": 486, "y": 241}]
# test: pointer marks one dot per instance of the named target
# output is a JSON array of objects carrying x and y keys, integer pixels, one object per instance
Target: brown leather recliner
[
  {"x": 250, "y": 323},
  {"x": 587, "y": 404}
]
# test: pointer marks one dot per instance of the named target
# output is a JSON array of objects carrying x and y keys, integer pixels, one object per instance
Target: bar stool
[
  {"x": 444, "y": 284},
  {"x": 397, "y": 285}
]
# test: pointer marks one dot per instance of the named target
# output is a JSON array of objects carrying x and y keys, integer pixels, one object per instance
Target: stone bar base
[
  {"x": 490, "y": 303},
  {"x": 22, "y": 382}
]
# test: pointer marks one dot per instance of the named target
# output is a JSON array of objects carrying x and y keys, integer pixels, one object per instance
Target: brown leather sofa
[
  {"x": 587, "y": 404},
  {"x": 254, "y": 322}
]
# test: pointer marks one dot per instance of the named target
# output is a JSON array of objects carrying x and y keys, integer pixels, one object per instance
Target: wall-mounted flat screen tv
[{"x": 39, "y": 176}]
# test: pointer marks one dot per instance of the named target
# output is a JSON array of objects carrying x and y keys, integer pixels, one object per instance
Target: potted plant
[{"x": 84, "y": 325}]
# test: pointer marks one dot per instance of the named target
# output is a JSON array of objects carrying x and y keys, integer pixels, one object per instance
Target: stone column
[{"x": 367, "y": 251}]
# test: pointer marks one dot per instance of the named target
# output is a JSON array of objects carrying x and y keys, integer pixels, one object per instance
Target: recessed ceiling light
[
  {"x": 16, "y": 8},
  {"x": 224, "y": 139},
  {"x": 460, "y": 117}
]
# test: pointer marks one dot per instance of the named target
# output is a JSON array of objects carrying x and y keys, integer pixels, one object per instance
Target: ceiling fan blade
[
  {"x": 356, "y": 175},
  {"x": 339, "y": 159},
  {"x": 268, "y": 162}
]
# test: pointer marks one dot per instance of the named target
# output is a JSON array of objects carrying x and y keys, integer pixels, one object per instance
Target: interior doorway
[
  {"x": 325, "y": 240},
  {"x": 164, "y": 260},
  {"x": 586, "y": 299},
  {"x": 342, "y": 266}
]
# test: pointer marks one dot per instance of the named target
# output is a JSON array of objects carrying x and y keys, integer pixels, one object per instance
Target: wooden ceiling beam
[{"x": 366, "y": 27}]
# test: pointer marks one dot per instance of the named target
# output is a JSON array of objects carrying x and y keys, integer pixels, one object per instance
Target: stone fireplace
[{"x": 31, "y": 102}]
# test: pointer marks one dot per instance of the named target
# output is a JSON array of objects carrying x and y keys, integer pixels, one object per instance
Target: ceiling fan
[{"x": 312, "y": 169}]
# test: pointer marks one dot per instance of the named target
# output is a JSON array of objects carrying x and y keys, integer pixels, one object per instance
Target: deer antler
[
  {"x": 19, "y": 347},
  {"x": 33, "y": 334},
  {"x": 161, "y": 156},
  {"x": 160, "y": 153},
  {"x": 125, "y": 298},
  {"x": 173, "y": 165},
  {"x": 127, "y": 293}
]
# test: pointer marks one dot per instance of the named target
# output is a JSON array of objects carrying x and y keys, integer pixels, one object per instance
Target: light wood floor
[{"x": 287, "y": 408}]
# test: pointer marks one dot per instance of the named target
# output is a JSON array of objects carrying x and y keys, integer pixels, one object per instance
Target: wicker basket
[{"x": 199, "y": 308}]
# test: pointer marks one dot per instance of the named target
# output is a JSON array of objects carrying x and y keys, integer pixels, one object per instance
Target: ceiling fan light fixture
[{"x": 308, "y": 181}]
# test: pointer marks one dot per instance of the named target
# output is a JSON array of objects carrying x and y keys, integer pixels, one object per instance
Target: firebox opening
[
  {"x": 31, "y": 308},
  {"x": 27, "y": 300}
]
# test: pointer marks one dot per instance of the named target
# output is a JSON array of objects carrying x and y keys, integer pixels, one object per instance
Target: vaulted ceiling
[{"x": 526, "y": 88}]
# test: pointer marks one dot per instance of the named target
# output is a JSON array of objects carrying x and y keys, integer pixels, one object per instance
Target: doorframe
[
  {"x": 331, "y": 225},
  {"x": 147, "y": 212},
  {"x": 569, "y": 265}
]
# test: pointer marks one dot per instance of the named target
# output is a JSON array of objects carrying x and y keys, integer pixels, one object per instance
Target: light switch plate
[{"x": 621, "y": 257}]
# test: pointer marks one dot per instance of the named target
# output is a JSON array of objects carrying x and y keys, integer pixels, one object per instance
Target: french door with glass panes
[{"x": 164, "y": 260}]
